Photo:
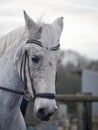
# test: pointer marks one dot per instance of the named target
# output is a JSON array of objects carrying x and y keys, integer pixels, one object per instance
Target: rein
[
  {"x": 36, "y": 95},
  {"x": 13, "y": 91}
]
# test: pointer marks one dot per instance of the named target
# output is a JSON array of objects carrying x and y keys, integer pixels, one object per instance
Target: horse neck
[
  {"x": 9, "y": 77},
  {"x": 11, "y": 39}
]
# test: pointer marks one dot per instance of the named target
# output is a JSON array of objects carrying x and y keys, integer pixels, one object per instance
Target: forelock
[{"x": 47, "y": 35}]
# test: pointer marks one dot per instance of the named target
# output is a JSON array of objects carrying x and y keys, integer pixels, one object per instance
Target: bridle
[{"x": 25, "y": 93}]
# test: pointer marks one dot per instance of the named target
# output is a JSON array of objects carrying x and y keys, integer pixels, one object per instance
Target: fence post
[{"x": 85, "y": 115}]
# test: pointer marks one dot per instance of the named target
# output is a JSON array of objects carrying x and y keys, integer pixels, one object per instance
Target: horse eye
[{"x": 35, "y": 59}]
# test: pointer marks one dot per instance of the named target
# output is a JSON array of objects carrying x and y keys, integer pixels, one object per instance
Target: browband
[{"x": 33, "y": 41}]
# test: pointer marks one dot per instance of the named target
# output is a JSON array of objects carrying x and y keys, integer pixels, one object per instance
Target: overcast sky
[{"x": 80, "y": 20}]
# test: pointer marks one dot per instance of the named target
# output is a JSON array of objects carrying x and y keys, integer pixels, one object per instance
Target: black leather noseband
[{"x": 45, "y": 95}]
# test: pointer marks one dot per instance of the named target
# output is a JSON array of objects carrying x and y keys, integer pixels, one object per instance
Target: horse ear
[
  {"x": 58, "y": 24},
  {"x": 31, "y": 26}
]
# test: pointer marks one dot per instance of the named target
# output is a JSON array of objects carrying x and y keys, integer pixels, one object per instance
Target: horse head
[{"x": 37, "y": 64}]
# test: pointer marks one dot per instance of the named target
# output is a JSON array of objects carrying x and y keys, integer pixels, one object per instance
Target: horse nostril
[
  {"x": 56, "y": 109},
  {"x": 42, "y": 112}
]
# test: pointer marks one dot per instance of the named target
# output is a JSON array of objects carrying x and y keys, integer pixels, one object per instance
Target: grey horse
[{"x": 29, "y": 58}]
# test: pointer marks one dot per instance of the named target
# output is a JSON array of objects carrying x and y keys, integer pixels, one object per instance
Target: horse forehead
[
  {"x": 50, "y": 58},
  {"x": 35, "y": 49}
]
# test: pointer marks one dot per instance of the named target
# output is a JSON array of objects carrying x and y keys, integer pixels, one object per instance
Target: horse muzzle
[
  {"x": 44, "y": 114},
  {"x": 44, "y": 108}
]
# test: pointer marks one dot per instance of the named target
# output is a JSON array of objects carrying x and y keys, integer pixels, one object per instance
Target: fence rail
[
  {"x": 76, "y": 98},
  {"x": 84, "y": 103}
]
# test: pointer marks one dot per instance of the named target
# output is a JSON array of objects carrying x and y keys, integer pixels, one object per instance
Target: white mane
[{"x": 10, "y": 39}]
